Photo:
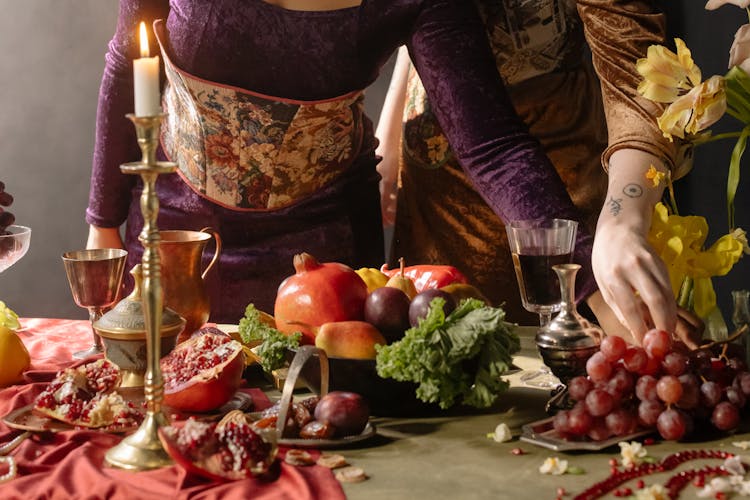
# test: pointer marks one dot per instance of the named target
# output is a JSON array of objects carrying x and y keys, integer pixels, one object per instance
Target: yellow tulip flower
[
  {"x": 666, "y": 74},
  {"x": 697, "y": 110}
]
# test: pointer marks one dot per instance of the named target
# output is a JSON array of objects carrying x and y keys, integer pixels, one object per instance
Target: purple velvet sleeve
[
  {"x": 506, "y": 164},
  {"x": 110, "y": 193}
]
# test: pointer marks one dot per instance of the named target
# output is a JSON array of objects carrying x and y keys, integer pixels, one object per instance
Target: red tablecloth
[{"x": 70, "y": 464}]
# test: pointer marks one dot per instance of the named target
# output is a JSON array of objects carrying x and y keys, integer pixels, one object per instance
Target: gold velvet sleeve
[{"x": 619, "y": 32}]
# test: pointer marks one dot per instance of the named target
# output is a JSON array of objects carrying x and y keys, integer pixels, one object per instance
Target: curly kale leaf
[
  {"x": 458, "y": 358},
  {"x": 273, "y": 343}
]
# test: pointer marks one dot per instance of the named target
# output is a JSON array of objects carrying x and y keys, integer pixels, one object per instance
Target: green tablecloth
[{"x": 449, "y": 456}]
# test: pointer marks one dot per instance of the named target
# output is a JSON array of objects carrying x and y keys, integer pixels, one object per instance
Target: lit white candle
[{"x": 146, "y": 79}]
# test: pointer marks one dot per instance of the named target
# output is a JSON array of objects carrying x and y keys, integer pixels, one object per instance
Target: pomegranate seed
[
  {"x": 561, "y": 492},
  {"x": 721, "y": 495},
  {"x": 518, "y": 451},
  {"x": 640, "y": 484},
  {"x": 613, "y": 462},
  {"x": 648, "y": 441}
]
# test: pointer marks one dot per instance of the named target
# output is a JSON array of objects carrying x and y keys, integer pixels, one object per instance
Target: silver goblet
[{"x": 94, "y": 277}]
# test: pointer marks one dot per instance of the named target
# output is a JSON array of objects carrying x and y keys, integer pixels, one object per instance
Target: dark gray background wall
[{"x": 51, "y": 60}]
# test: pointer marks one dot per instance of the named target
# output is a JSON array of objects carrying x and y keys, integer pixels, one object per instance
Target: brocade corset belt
[{"x": 249, "y": 151}]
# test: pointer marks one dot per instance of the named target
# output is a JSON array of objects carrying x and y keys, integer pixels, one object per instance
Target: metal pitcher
[{"x": 182, "y": 280}]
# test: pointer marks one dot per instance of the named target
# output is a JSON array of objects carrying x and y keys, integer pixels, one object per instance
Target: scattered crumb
[
  {"x": 332, "y": 461},
  {"x": 350, "y": 475},
  {"x": 298, "y": 458}
]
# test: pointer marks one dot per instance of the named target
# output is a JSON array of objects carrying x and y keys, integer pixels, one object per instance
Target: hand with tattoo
[{"x": 633, "y": 280}]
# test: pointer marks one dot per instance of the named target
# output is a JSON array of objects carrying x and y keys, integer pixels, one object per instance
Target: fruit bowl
[{"x": 387, "y": 397}]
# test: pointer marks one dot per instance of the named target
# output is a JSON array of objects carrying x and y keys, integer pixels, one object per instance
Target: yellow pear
[
  {"x": 402, "y": 282},
  {"x": 461, "y": 291}
]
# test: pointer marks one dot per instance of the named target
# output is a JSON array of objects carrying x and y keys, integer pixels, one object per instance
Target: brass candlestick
[{"x": 142, "y": 450}]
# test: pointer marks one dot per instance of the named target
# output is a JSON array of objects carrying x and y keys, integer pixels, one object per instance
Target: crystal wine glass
[
  {"x": 94, "y": 276},
  {"x": 536, "y": 246},
  {"x": 13, "y": 245}
]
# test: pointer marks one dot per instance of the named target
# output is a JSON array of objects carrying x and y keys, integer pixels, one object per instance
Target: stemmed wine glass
[
  {"x": 536, "y": 246},
  {"x": 13, "y": 245},
  {"x": 94, "y": 276}
]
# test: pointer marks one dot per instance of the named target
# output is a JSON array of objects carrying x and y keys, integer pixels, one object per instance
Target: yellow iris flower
[{"x": 679, "y": 242}]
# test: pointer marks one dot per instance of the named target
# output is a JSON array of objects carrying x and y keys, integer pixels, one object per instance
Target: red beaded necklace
[{"x": 674, "y": 485}]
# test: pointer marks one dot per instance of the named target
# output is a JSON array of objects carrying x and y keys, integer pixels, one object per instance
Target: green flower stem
[
  {"x": 717, "y": 137},
  {"x": 686, "y": 293},
  {"x": 672, "y": 197}
]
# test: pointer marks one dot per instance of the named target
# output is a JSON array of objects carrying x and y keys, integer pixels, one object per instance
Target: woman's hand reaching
[{"x": 632, "y": 278}]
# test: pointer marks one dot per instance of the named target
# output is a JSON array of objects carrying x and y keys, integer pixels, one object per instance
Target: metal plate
[
  {"x": 542, "y": 433},
  {"x": 26, "y": 420},
  {"x": 367, "y": 433}
]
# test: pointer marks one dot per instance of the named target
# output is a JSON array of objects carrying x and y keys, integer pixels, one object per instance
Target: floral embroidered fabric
[{"x": 248, "y": 151}]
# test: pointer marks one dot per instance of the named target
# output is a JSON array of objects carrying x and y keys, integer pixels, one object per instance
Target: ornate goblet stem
[{"x": 143, "y": 450}]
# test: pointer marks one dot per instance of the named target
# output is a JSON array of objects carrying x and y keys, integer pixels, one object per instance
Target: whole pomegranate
[
  {"x": 202, "y": 373},
  {"x": 316, "y": 294}
]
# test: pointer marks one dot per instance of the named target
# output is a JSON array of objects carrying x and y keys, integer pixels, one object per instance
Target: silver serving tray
[{"x": 542, "y": 433}]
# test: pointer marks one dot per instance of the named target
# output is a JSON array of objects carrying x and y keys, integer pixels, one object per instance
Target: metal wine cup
[{"x": 94, "y": 277}]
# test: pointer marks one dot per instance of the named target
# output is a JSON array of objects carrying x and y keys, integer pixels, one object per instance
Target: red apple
[{"x": 348, "y": 412}]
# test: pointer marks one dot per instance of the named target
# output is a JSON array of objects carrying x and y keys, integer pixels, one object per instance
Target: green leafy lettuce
[
  {"x": 273, "y": 343},
  {"x": 458, "y": 358}
]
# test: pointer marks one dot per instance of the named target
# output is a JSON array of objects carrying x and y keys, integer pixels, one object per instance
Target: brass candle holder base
[{"x": 143, "y": 449}]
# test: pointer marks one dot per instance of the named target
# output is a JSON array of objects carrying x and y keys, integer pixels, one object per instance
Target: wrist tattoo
[
  {"x": 632, "y": 191},
  {"x": 615, "y": 206}
]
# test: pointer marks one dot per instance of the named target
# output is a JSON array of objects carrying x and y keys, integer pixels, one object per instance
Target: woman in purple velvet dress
[{"x": 265, "y": 121}]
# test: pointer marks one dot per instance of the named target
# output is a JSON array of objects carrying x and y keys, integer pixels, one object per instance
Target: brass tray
[
  {"x": 542, "y": 433},
  {"x": 303, "y": 354},
  {"x": 26, "y": 420}
]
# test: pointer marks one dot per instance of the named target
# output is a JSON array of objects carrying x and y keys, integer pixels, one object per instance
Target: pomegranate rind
[
  {"x": 318, "y": 293},
  {"x": 200, "y": 467},
  {"x": 209, "y": 466},
  {"x": 210, "y": 388}
]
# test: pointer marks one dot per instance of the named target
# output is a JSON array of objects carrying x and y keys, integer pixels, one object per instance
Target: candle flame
[{"x": 144, "y": 40}]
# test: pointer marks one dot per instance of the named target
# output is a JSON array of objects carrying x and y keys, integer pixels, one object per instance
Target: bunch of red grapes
[
  {"x": 6, "y": 218},
  {"x": 661, "y": 385}
]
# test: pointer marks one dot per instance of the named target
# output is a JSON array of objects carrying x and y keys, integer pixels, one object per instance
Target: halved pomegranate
[
  {"x": 202, "y": 373},
  {"x": 85, "y": 396},
  {"x": 231, "y": 449}
]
